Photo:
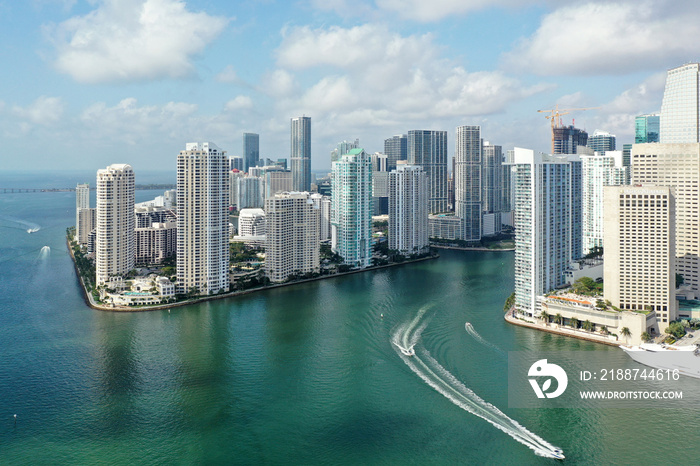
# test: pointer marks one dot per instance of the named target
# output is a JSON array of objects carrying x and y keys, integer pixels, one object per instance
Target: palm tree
[
  {"x": 558, "y": 319},
  {"x": 588, "y": 326},
  {"x": 604, "y": 329},
  {"x": 625, "y": 332},
  {"x": 573, "y": 322},
  {"x": 544, "y": 316},
  {"x": 646, "y": 338}
]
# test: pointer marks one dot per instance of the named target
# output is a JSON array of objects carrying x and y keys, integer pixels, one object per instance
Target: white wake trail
[
  {"x": 439, "y": 378},
  {"x": 472, "y": 331}
]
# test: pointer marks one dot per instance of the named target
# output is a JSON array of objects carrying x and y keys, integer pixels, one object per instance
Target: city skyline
[{"x": 110, "y": 76}]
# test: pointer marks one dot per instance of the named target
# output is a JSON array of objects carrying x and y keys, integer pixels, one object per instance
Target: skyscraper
[
  {"x": 639, "y": 250},
  {"x": 82, "y": 201},
  {"x": 408, "y": 209},
  {"x": 680, "y": 115},
  {"x": 678, "y": 167},
  {"x": 646, "y": 128},
  {"x": 115, "y": 244},
  {"x": 251, "y": 150},
  {"x": 343, "y": 148},
  {"x": 547, "y": 223},
  {"x": 300, "y": 153},
  {"x": 202, "y": 219},
  {"x": 567, "y": 139},
  {"x": 468, "y": 181},
  {"x": 292, "y": 244},
  {"x": 351, "y": 211},
  {"x": 396, "y": 148},
  {"x": 601, "y": 142},
  {"x": 599, "y": 171},
  {"x": 236, "y": 163},
  {"x": 429, "y": 150}
]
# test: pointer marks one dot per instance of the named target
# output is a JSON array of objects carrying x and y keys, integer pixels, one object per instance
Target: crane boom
[{"x": 555, "y": 115}]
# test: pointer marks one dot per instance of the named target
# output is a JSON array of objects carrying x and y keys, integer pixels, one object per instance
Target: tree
[
  {"x": 679, "y": 280},
  {"x": 625, "y": 332},
  {"x": 573, "y": 322},
  {"x": 588, "y": 326},
  {"x": 604, "y": 329},
  {"x": 544, "y": 316},
  {"x": 646, "y": 337},
  {"x": 509, "y": 302},
  {"x": 558, "y": 319},
  {"x": 676, "y": 329}
]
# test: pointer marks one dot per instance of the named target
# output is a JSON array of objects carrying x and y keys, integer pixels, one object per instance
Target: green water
[{"x": 297, "y": 375}]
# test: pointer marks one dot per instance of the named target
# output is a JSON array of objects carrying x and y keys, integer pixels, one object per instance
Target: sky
[{"x": 88, "y": 83}]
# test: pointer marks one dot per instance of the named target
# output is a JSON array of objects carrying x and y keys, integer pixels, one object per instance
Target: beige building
[
  {"x": 202, "y": 219},
  {"x": 639, "y": 272},
  {"x": 678, "y": 167},
  {"x": 114, "y": 242},
  {"x": 292, "y": 243},
  {"x": 82, "y": 201},
  {"x": 86, "y": 223}
]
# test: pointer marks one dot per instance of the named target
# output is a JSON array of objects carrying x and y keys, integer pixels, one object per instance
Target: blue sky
[{"x": 90, "y": 83}]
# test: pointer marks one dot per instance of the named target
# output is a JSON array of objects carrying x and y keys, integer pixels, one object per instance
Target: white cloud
[
  {"x": 610, "y": 38},
  {"x": 279, "y": 83},
  {"x": 435, "y": 10},
  {"x": 133, "y": 40},
  {"x": 43, "y": 111},
  {"x": 241, "y": 102},
  {"x": 227, "y": 75}
]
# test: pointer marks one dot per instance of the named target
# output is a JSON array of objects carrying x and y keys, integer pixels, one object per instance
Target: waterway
[{"x": 308, "y": 374}]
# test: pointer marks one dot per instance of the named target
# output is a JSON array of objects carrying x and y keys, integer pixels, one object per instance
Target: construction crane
[{"x": 556, "y": 114}]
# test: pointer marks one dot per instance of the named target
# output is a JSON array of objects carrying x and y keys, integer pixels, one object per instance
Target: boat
[
  {"x": 408, "y": 351},
  {"x": 685, "y": 359}
]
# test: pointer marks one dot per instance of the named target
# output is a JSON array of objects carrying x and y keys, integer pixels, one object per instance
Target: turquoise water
[{"x": 298, "y": 375}]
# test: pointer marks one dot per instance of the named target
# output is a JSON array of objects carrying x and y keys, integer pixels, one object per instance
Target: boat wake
[
  {"x": 472, "y": 331},
  {"x": 29, "y": 227},
  {"x": 427, "y": 368}
]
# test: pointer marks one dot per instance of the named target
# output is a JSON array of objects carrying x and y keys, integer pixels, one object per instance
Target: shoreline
[
  {"x": 458, "y": 248},
  {"x": 561, "y": 331},
  {"x": 160, "y": 307}
]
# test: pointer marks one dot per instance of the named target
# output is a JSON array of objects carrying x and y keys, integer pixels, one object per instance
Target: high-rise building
[
  {"x": 202, "y": 219},
  {"x": 380, "y": 192},
  {"x": 251, "y": 150},
  {"x": 156, "y": 234},
  {"x": 236, "y": 163},
  {"x": 85, "y": 225},
  {"x": 547, "y": 223},
  {"x": 82, "y": 201},
  {"x": 567, "y": 139},
  {"x": 251, "y": 192},
  {"x": 396, "y": 148},
  {"x": 601, "y": 142},
  {"x": 646, "y": 128},
  {"x": 408, "y": 209},
  {"x": 351, "y": 209},
  {"x": 680, "y": 112},
  {"x": 627, "y": 156},
  {"x": 277, "y": 182},
  {"x": 114, "y": 241},
  {"x": 379, "y": 162},
  {"x": 429, "y": 150},
  {"x": 599, "y": 171},
  {"x": 292, "y": 243},
  {"x": 323, "y": 204},
  {"x": 491, "y": 177},
  {"x": 468, "y": 181},
  {"x": 343, "y": 148},
  {"x": 639, "y": 273},
  {"x": 252, "y": 223},
  {"x": 678, "y": 167},
  {"x": 300, "y": 153}
]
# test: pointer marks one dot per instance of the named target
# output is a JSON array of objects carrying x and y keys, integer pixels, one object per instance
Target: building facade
[
  {"x": 468, "y": 181},
  {"x": 428, "y": 149},
  {"x": 680, "y": 116},
  {"x": 599, "y": 171},
  {"x": 251, "y": 192},
  {"x": 351, "y": 208},
  {"x": 202, "y": 219},
  {"x": 676, "y": 166},
  {"x": 646, "y": 128},
  {"x": 292, "y": 243},
  {"x": 82, "y": 201},
  {"x": 251, "y": 150},
  {"x": 639, "y": 271},
  {"x": 300, "y": 153},
  {"x": 343, "y": 148},
  {"x": 408, "y": 210},
  {"x": 601, "y": 142},
  {"x": 395, "y": 148},
  {"x": 156, "y": 234},
  {"x": 251, "y": 222},
  {"x": 114, "y": 217},
  {"x": 567, "y": 139},
  {"x": 547, "y": 223}
]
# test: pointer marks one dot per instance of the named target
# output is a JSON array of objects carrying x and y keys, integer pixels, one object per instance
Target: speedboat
[{"x": 408, "y": 351}]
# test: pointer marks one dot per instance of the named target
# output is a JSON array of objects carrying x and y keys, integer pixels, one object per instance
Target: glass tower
[
  {"x": 679, "y": 108},
  {"x": 646, "y": 128},
  {"x": 429, "y": 150},
  {"x": 251, "y": 150},
  {"x": 300, "y": 153}
]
